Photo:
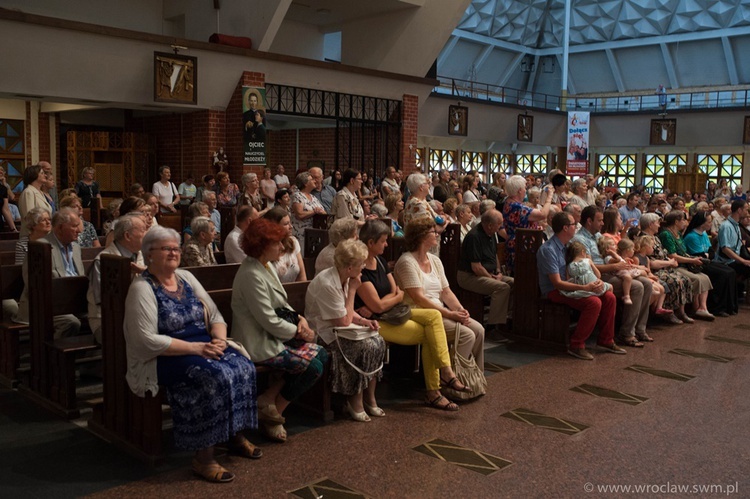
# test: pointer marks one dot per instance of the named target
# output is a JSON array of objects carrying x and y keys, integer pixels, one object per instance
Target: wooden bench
[
  {"x": 315, "y": 241},
  {"x": 228, "y": 218},
  {"x": 450, "y": 252},
  {"x": 536, "y": 320},
  {"x": 134, "y": 423},
  {"x": 11, "y": 287},
  {"x": 52, "y": 378}
]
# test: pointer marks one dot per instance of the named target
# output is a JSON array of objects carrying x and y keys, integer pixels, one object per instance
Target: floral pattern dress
[
  {"x": 228, "y": 197},
  {"x": 308, "y": 204},
  {"x": 87, "y": 237},
  {"x": 211, "y": 400},
  {"x": 680, "y": 289},
  {"x": 515, "y": 216}
]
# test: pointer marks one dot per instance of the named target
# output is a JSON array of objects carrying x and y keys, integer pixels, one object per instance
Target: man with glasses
[
  {"x": 478, "y": 268},
  {"x": 323, "y": 192},
  {"x": 595, "y": 310}
]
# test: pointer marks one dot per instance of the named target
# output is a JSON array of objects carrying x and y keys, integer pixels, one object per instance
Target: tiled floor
[{"x": 675, "y": 412}]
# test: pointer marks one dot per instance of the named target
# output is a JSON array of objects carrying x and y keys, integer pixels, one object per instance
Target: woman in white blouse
[{"x": 422, "y": 277}]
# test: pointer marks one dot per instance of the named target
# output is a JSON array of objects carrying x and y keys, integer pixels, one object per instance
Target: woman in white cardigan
[
  {"x": 176, "y": 338},
  {"x": 422, "y": 277}
]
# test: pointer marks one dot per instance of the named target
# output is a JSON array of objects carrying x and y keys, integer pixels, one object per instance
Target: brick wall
[
  {"x": 315, "y": 144},
  {"x": 409, "y": 124}
]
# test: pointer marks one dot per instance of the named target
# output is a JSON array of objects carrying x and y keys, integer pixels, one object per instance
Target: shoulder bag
[
  {"x": 397, "y": 314},
  {"x": 468, "y": 373},
  {"x": 355, "y": 333}
]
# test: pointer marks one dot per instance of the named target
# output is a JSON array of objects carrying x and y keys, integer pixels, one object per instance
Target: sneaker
[
  {"x": 613, "y": 348},
  {"x": 580, "y": 353}
]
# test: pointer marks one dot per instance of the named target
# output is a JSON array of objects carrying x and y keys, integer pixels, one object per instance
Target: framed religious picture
[
  {"x": 458, "y": 120},
  {"x": 663, "y": 132},
  {"x": 175, "y": 78},
  {"x": 525, "y": 128},
  {"x": 746, "y": 134}
]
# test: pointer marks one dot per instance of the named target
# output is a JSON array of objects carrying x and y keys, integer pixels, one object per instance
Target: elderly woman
[
  {"x": 271, "y": 340},
  {"x": 88, "y": 189},
  {"x": 417, "y": 205},
  {"x": 518, "y": 216},
  {"x": 341, "y": 230},
  {"x": 579, "y": 189},
  {"x": 679, "y": 288},
  {"x": 329, "y": 304},
  {"x": 39, "y": 222},
  {"x": 268, "y": 187},
  {"x": 675, "y": 223},
  {"x": 32, "y": 196},
  {"x": 422, "y": 276},
  {"x": 251, "y": 194},
  {"x": 304, "y": 206},
  {"x": 289, "y": 266},
  {"x": 165, "y": 191},
  {"x": 449, "y": 208},
  {"x": 464, "y": 216},
  {"x": 722, "y": 300},
  {"x": 394, "y": 203},
  {"x": 227, "y": 193},
  {"x": 198, "y": 251},
  {"x": 88, "y": 237},
  {"x": 153, "y": 201},
  {"x": 379, "y": 293},
  {"x": 197, "y": 209},
  {"x": 177, "y": 339},
  {"x": 345, "y": 203}
]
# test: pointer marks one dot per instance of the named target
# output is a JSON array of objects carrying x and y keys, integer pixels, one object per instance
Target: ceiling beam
[
  {"x": 669, "y": 65},
  {"x": 447, "y": 50},
  {"x": 532, "y": 75},
  {"x": 615, "y": 67},
  {"x": 592, "y": 47},
  {"x": 480, "y": 60},
  {"x": 734, "y": 77},
  {"x": 571, "y": 84},
  {"x": 510, "y": 69}
]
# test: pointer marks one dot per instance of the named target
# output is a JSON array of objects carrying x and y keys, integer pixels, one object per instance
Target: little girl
[
  {"x": 606, "y": 247},
  {"x": 644, "y": 247},
  {"x": 581, "y": 271}
]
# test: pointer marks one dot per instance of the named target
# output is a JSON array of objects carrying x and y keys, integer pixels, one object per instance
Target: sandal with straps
[
  {"x": 450, "y": 406},
  {"x": 213, "y": 472},
  {"x": 275, "y": 432},
  {"x": 245, "y": 449},
  {"x": 451, "y": 384}
]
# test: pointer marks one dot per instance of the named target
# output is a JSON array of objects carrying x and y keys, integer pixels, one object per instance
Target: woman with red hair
[{"x": 272, "y": 332}]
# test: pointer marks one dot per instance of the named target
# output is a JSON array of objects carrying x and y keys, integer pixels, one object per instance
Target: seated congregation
[{"x": 378, "y": 264}]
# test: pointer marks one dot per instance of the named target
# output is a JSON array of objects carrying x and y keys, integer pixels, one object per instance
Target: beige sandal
[
  {"x": 245, "y": 449},
  {"x": 275, "y": 432},
  {"x": 213, "y": 472}
]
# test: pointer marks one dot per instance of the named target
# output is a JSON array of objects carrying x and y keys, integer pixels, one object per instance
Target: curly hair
[
  {"x": 261, "y": 233},
  {"x": 416, "y": 231}
]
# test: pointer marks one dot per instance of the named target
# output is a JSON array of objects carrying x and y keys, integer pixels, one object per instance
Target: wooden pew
[
  {"x": 315, "y": 241},
  {"x": 9, "y": 235},
  {"x": 52, "y": 380},
  {"x": 134, "y": 423},
  {"x": 11, "y": 287},
  {"x": 323, "y": 221},
  {"x": 536, "y": 320},
  {"x": 8, "y": 244},
  {"x": 228, "y": 218},
  {"x": 450, "y": 252}
]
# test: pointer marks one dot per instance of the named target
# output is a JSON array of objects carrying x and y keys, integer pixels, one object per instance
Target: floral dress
[
  {"x": 299, "y": 226},
  {"x": 680, "y": 289},
  {"x": 211, "y": 400},
  {"x": 87, "y": 237},
  {"x": 228, "y": 198},
  {"x": 417, "y": 208},
  {"x": 516, "y": 216}
]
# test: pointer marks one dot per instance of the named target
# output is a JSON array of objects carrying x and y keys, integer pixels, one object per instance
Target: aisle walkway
[{"x": 666, "y": 415}]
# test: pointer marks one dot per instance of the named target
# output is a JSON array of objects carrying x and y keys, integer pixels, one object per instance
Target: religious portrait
[
  {"x": 525, "y": 128},
  {"x": 175, "y": 78},
  {"x": 663, "y": 132},
  {"x": 458, "y": 120}
]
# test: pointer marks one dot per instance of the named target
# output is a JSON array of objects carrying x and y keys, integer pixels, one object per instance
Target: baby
[
  {"x": 581, "y": 271},
  {"x": 644, "y": 247},
  {"x": 606, "y": 247}
]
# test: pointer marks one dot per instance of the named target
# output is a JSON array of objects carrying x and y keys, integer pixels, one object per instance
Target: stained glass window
[
  {"x": 656, "y": 168},
  {"x": 531, "y": 164},
  {"x": 442, "y": 160},
  {"x": 722, "y": 166},
  {"x": 500, "y": 163},
  {"x": 12, "y": 152},
  {"x": 619, "y": 168},
  {"x": 474, "y": 161}
]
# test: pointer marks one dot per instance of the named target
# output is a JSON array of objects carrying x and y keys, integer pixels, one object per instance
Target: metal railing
[{"x": 646, "y": 102}]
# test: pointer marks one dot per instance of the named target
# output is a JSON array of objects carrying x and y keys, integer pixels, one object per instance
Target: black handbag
[
  {"x": 288, "y": 315},
  {"x": 397, "y": 315}
]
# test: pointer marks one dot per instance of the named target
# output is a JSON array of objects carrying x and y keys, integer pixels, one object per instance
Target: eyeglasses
[
  {"x": 433, "y": 231},
  {"x": 170, "y": 249}
]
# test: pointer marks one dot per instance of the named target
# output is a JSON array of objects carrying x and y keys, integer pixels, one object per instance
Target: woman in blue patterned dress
[
  {"x": 210, "y": 385},
  {"x": 519, "y": 216}
]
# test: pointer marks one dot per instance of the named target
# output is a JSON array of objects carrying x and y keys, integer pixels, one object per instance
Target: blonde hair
[
  {"x": 624, "y": 245},
  {"x": 644, "y": 240},
  {"x": 350, "y": 252},
  {"x": 603, "y": 243}
]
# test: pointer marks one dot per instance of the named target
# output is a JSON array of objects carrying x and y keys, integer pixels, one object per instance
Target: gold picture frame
[
  {"x": 525, "y": 128},
  {"x": 663, "y": 132},
  {"x": 175, "y": 78},
  {"x": 746, "y": 133},
  {"x": 458, "y": 120}
]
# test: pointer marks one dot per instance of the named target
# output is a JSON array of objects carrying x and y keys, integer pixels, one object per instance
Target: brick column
[
  {"x": 234, "y": 146},
  {"x": 409, "y": 125}
]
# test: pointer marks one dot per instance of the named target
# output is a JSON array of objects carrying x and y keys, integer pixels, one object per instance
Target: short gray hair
[
  {"x": 201, "y": 224},
  {"x": 210, "y": 194},
  {"x": 379, "y": 209},
  {"x": 248, "y": 177},
  {"x": 414, "y": 181},
  {"x": 514, "y": 184},
  {"x": 349, "y": 253},
  {"x": 302, "y": 180},
  {"x": 155, "y": 234},
  {"x": 125, "y": 224},
  {"x": 341, "y": 229},
  {"x": 461, "y": 208},
  {"x": 579, "y": 182},
  {"x": 490, "y": 216},
  {"x": 647, "y": 219},
  {"x": 485, "y": 205},
  {"x": 63, "y": 216},
  {"x": 34, "y": 215}
]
